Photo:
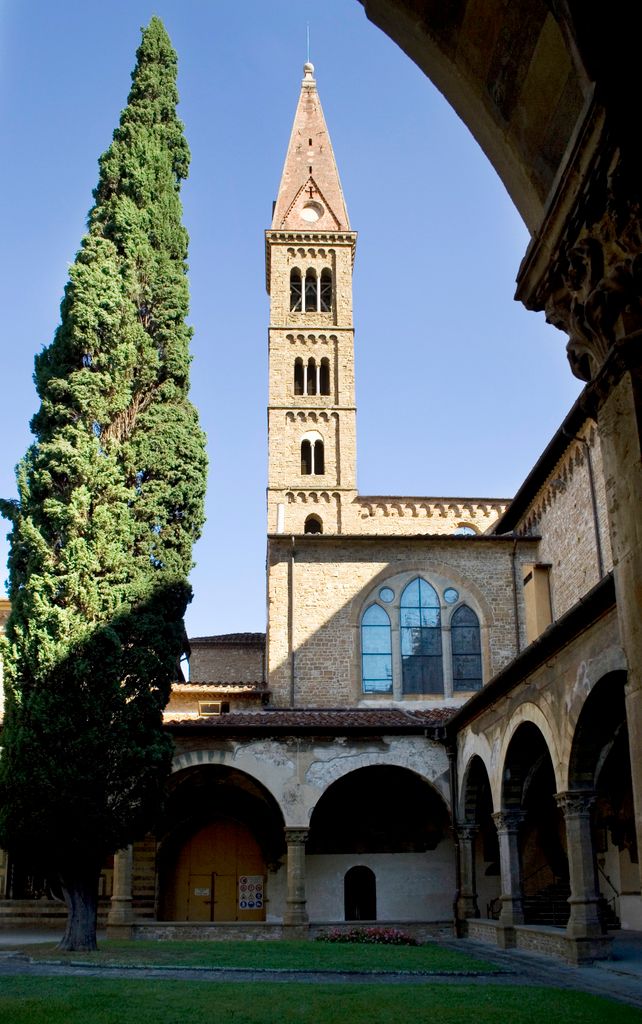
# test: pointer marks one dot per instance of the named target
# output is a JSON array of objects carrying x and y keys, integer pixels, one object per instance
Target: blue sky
[{"x": 458, "y": 387}]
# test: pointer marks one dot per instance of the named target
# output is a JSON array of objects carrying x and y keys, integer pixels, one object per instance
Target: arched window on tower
[
  {"x": 376, "y": 650},
  {"x": 325, "y": 303},
  {"x": 421, "y": 653},
  {"x": 318, "y": 459},
  {"x": 313, "y": 524},
  {"x": 296, "y": 291},
  {"x": 466, "y": 647},
  {"x": 311, "y": 377},
  {"x": 324, "y": 377},
  {"x": 312, "y": 454},
  {"x": 310, "y": 291},
  {"x": 298, "y": 376}
]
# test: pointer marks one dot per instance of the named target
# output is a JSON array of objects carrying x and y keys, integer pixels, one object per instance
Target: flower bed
[{"x": 379, "y": 936}]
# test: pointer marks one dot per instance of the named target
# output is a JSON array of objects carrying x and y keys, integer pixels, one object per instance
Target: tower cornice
[{"x": 273, "y": 236}]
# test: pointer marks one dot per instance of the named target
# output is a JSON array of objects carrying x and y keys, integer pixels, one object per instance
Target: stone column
[
  {"x": 296, "y": 914},
  {"x": 620, "y": 430},
  {"x": 576, "y": 806},
  {"x": 467, "y": 898},
  {"x": 121, "y": 914},
  {"x": 508, "y": 824},
  {"x": 583, "y": 269},
  {"x": 584, "y": 929}
]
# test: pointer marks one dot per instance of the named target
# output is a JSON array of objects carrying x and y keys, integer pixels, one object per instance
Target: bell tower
[{"x": 309, "y": 258}]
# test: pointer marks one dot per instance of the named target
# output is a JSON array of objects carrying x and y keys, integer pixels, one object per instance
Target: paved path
[{"x": 619, "y": 979}]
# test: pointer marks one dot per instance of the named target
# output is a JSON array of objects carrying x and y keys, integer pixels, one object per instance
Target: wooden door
[
  {"x": 200, "y": 898},
  {"x": 214, "y": 859}
]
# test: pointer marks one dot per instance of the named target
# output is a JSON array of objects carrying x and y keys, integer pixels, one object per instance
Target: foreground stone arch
[{"x": 550, "y": 91}]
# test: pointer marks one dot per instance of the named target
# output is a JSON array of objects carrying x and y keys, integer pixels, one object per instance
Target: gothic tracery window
[
  {"x": 466, "y": 649},
  {"x": 376, "y": 650},
  {"x": 420, "y": 628},
  {"x": 436, "y": 638}
]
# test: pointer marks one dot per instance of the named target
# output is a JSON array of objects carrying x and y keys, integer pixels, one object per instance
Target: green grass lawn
[
  {"x": 116, "y": 1001},
  {"x": 304, "y": 956}
]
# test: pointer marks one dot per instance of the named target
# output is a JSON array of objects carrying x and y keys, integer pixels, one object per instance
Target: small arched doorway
[{"x": 360, "y": 894}]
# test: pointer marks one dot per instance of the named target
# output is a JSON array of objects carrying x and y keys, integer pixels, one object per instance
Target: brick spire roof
[{"x": 310, "y": 196}]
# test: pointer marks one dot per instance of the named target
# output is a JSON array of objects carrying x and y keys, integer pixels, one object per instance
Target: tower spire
[{"x": 310, "y": 194}]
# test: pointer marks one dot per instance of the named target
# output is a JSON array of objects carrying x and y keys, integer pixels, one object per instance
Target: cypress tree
[{"x": 110, "y": 503}]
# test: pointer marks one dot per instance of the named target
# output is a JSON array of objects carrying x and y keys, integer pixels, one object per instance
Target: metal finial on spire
[{"x": 307, "y": 29}]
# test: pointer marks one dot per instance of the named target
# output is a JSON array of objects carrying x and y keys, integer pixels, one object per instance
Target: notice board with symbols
[{"x": 251, "y": 889}]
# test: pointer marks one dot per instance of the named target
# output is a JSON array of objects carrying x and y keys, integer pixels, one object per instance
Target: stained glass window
[
  {"x": 466, "y": 648},
  {"x": 376, "y": 651},
  {"x": 420, "y": 627}
]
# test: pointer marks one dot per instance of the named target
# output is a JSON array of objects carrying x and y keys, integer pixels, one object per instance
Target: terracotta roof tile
[
  {"x": 324, "y": 720},
  {"x": 251, "y": 639}
]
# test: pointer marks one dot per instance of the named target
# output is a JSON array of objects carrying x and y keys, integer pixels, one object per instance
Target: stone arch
[
  {"x": 600, "y": 778},
  {"x": 360, "y": 800},
  {"x": 386, "y": 821},
  {"x": 247, "y": 761},
  {"x": 220, "y": 824},
  {"x": 476, "y": 776},
  {"x": 411, "y": 753},
  {"x": 478, "y": 838},
  {"x": 529, "y": 788},
  {"x": 602, "y": 718},
  {"x": 475, "y": 745},
  {"x": 609, "y": 660},
  {"x": 526, "y": 713},
  {"x": 493, "y": 73}
]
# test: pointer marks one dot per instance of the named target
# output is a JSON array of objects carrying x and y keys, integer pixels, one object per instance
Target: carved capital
[
  {"x": 466, "y": 833},
  {"x": 575, "y": 801},
  {"x": 584, "y": 267},
  {"x": 592, "y": 287},
  {"x": 296, "y": 836},
  {"x": 508, "y": 821}
]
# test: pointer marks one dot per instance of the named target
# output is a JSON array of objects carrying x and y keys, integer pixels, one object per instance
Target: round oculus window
[
  {"x": 386, "y": 594},
  {"x": 312, "y": 212},
  {"x": 451, "y": 595}
]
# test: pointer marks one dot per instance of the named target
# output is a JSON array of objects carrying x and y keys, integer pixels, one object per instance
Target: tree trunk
[{"x": 80, "y": 889}]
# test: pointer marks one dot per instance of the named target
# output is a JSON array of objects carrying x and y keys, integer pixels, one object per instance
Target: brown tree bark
[{"x": 80, "y": 889}]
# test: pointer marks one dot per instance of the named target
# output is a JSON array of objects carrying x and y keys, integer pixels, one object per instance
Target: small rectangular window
[{"x": 537, "y": 600}]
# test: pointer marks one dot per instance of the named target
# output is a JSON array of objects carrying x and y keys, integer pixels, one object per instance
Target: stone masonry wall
[
  {"x": 226, "y": 663},
  {"x": 332, "y": 582},
  {"x": 562, "y": 513}
]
